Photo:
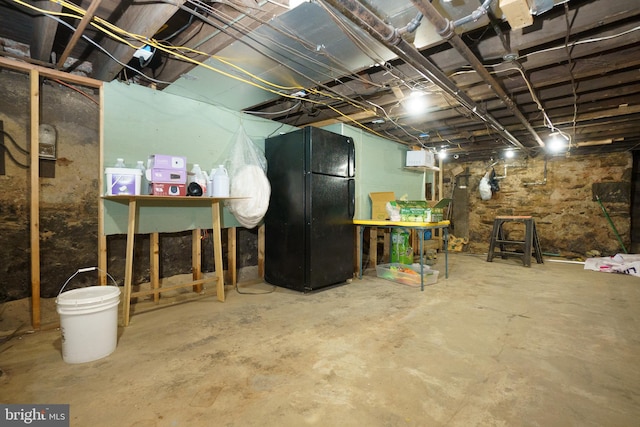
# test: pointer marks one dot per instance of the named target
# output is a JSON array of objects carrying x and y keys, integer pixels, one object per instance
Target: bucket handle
[{"x": 85, "y": 270}]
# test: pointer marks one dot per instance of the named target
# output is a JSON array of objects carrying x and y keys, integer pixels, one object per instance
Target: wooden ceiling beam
[
  {"x": 210, "y": 39},
  {"x": 44, "y": 31},
  {"x": 86, "y": 19},
  {"x": 144, "y": 19}
]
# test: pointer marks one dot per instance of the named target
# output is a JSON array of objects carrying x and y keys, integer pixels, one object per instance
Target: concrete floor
[{"x": 496, "y": 344}]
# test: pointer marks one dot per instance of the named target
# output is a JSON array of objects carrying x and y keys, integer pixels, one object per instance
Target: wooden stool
[{"x": 530, "y": 242}]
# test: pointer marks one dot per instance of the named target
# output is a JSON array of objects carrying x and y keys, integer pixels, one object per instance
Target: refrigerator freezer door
[{"x": 330, "y": 153}]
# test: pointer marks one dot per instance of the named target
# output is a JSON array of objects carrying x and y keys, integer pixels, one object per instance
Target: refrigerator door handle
[
  {"x": 352, "y": 198},
  {"x": 352, "y": 158}
]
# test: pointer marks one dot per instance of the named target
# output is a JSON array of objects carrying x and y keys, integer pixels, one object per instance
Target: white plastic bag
[
  {"x": 246, "y": 167},
  {"x": 485, "y": 187}
]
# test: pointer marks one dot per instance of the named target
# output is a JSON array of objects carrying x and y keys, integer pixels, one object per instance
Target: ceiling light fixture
[
  {"x": 416, "y": 103},
  {"x": 509, "y": 154},
  {"x": 557, "y": 142}
]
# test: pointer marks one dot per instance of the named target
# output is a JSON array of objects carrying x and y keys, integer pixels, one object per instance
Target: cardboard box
[
  {"x": 517, "y": 13},
  {"x": 170, "y": 176},
  {"x": 123, "y": 181},
  {"x": 420, "y": 158},
  {"x": 379, "y": 204},
  {"x": 413, "y": 210},
  {"x": 163, "y": 161},
  {"x": 166, "y": 189}
]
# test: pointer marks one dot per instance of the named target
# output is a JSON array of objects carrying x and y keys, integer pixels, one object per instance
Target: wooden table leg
[
  {"x": 231, "y": 254},
  {"x": 217, "y": 249},
  {"x": 128, "y": 272},
  {"x": 373, "y": 247},
  {"x": 154, "y": 270},
  {"x": 196, "y": 258}
]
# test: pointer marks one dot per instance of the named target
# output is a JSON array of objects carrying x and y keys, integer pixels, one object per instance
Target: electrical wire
[
  {"x": 113, "y": 29},
  {"x": 77, "y": 90},
  {"x": 6, "y": 150},
  {"x": 164, "y": 48},
  {"x": 121, "y": 36},
  {"x": 268, "y": 113},
  {"x": 581, "y": 42},
  {"x": 13, "y": 159},
  {"x": 289, "y": 33},
  {"x": 54, "y": 16},
  {"x": 273, "y": 289},
  {"x": 13, "y": 141}
]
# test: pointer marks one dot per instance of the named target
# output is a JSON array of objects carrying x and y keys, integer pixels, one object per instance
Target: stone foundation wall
[{"x": 561, "y": 199}]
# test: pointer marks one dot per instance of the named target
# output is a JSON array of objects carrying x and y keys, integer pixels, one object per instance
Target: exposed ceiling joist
[{"x": 574, "y": 69}]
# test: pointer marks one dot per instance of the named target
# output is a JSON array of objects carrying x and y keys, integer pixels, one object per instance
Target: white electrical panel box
[{"x": 420, "y": 158}]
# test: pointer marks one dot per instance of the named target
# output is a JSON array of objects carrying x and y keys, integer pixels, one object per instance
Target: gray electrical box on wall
[{"x": 47, "y": 142}]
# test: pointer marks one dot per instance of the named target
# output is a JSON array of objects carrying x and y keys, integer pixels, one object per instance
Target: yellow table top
[{"x": 382, "y": 223}]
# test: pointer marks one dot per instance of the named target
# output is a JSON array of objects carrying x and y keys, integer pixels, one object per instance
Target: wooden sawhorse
[{"x": 530, "y": 243}]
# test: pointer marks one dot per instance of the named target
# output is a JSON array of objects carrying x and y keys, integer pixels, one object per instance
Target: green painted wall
[
  {"x": 139, "y": 121},
  {"x": 380, "y": 167}
]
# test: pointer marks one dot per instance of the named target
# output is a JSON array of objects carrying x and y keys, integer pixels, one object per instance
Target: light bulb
[{"x": 416, "y": 103}]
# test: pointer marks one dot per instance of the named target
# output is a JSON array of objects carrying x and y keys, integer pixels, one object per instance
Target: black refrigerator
[{"x": 309, "y": 234}]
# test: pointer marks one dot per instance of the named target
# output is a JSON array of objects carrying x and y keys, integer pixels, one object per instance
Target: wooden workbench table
[{"x": 133, "y": 213}]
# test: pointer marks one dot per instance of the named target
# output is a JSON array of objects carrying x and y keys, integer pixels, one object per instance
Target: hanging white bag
[
  {"x": 485, "y": 188},
  {"x": 247, "y": 167}
]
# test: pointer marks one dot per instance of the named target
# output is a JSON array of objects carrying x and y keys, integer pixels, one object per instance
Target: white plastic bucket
[{"x": 88, "y": 322}]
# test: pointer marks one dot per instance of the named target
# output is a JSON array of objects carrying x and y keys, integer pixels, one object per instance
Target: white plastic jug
[
  {"x": 221, "y": 182},
  {"x": 199, "y": 176}
]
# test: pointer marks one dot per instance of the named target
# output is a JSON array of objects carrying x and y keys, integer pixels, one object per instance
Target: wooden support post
[
  {"x": 217, "y": 250},
  {"x": 102, "y": 238},
  {"x": 232, "y": 256},
  {"x": 128, "y": 264},
  {"x": 35, "y": 198},
  {"x": 386, "y": 255},
  {"x": 373, "y": 246},
  {"x": 196, "y": 258},
  {"x": 154, "y": 270}
]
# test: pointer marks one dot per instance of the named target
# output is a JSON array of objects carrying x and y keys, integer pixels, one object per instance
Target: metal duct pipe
[
  {"x": 475, "y": 15},
  {"x": 390, "y": 37},
  {"x": 446, "y": 28}
]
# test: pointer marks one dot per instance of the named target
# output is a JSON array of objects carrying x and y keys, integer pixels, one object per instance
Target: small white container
[{"x": 123, "y": 181}]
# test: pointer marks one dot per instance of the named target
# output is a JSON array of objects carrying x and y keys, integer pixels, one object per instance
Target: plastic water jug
[
  {"x": 221, "y": 182},
  {"x": 197, "y": 175},
  {"x": 144, "y": 183}
]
